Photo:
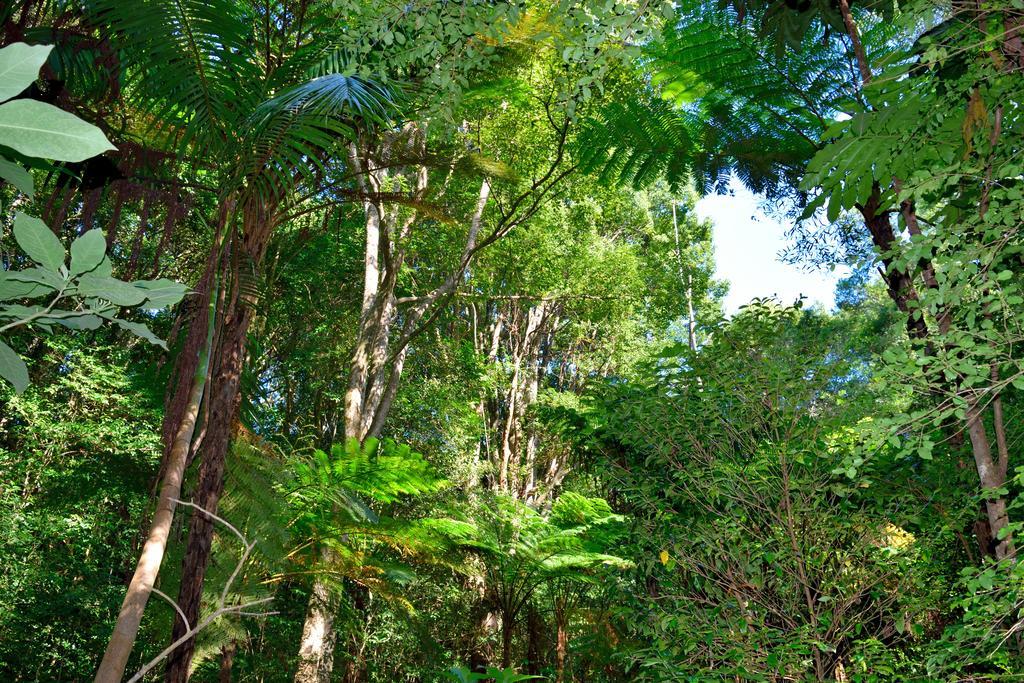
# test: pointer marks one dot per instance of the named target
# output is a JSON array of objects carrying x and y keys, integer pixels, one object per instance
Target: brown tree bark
[
  {"x": 507, "y": 631},
  {"x": 245, "y": 251},
  {"x": 535, "y": 641},
  {"x": 227, "y": 659},
  {"x": 561, "y": 639},
  {"x": 224, "y": 403}
]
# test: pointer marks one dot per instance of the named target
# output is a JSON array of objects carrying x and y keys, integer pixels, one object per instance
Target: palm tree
[{"x": 244, "y": 101}]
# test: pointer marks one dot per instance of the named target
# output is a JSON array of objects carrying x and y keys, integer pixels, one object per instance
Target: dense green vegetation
[{"x": 373, "y": 342}]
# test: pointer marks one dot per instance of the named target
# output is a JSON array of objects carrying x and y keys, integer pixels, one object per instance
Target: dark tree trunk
[
  {"x": 535, "y": 642},
  {"x": 227, "y": 658},
  {"x": 562, "y": 642},
  {"x": 506, "y": 642},
  {"x": 223, "y": 410}
]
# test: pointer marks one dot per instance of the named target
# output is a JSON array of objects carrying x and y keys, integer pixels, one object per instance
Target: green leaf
[
  {"x": 115, "y": 291},
  {"x": 161, "y": 293},
  {"x": 105, "y": 268},
  {"x": 40, "y": 276},
  {"x": 73, "y": 320},
  {"x": 19, "y": 67},
  {"x": 38, "y": 241},
  {"x": 140, "y": 330},
  {"x": 17, "y": 176},
  {"x": 12, "y": 368},
  {"x": 37, "y": 129},
  {"x": 87, "y": 252},
  {"x": 19, "y": 289}
]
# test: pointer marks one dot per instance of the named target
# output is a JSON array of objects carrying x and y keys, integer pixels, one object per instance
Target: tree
[{"x": 521, "y": 550}]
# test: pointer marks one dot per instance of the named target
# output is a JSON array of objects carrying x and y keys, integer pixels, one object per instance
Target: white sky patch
[{"x": 747, "y": 246}]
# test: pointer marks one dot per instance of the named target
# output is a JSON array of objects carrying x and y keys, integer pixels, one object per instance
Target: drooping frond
[
  {"x": 195, "y": 83},
  {"x": 718, "y": 105},
  {"x": 288, "y": 136}
]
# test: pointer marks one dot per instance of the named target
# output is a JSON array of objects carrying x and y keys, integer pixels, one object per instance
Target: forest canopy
[{"x": 372, "y": 342}]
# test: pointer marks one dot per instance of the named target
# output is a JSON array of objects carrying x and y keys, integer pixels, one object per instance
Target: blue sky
[{"x": 747, "y": 246}]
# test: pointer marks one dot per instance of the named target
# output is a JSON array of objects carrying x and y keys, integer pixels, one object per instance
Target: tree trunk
[
  {"x": 118, "y": 650},
  {"x": 223, "y": 410},
  {"x": 534, "y": 644},
  {"x": 562, "y": 640},
  {"x": 316, "y": 651},
  {"x": 991, "y": 479},
  {"x": 227, "y": 658},
  {"x": 506, "y": 642}
]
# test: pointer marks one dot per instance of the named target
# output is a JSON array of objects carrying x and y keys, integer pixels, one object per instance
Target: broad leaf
[
  {"x": 105, "y": 268},
  {"x": 73, "y": 320},
  {"x": 19, "y": 289},
  {"x": 19, "y": 67},
  {"x": 39, "y": 242},
  {"x": 110, "y": 289},
  {"x": 140, "y": 330},
  {"x": 161, "y": 293},
  {"x": 87, "y": 252},
  {"x": 12, "y": 368},
  {"x": 17, "y": 176},
  {"x": 41, "y": 276},
  {"x": 37, "y": 129}
]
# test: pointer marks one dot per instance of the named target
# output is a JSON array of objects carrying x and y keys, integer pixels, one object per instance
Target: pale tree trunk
[
  {"x": 523, "y": 358},
  {"x": 372, "y": 386},
  {"x": 373, "y": 381},
  {"x": 992, "y": 478},
  {"x": 691, "y": 326},
  {"x": 316, "y": 650},
  {"x": 119, "y": 648},
  {"x": 687, "y": 281}
]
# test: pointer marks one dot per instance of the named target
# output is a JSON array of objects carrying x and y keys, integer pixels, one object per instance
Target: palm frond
[{"x": 189, "y": 72}]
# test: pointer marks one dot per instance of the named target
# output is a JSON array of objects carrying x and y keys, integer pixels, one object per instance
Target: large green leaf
[
  {"x": 161, "y": 293},
  {"x": 19, "y": 67},
  {"x": 110, "y": 289},
  {"x": 87, "y": 252},
  {"x": 74, "y": 320},
  {"x": 41, "y": 276},
  {"x": 38, "y": 241},
  {"x": 37, "y": 129},
  {"x": 12, "y": 368},
  {"x": 140, "y": 330},
  {"x": 11, "y": 288},
  {"x": 17, "y": 176}
]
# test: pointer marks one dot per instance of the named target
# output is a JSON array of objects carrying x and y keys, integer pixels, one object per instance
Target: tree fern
[{"x": 717, "y": 104}]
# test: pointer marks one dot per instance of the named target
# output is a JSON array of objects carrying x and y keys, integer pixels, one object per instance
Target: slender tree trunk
[
  {"x": 316, "y": 650},
  {"x": 224, "y": 403},
  {"x": 990, "y": 475},
  {"x": 506, "y": 642},
  {"x": 561, "y": 640},
  {"x": 115, "y": 658},
  {"x": 534, "y": 645},
  {"x": 227, "y": 659},
  {"x": 691, "y": 324}
]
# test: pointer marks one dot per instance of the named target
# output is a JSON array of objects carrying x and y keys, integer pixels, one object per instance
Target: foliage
[
  {"x": 473, "y": 229},
  {"x": 40, "y": 130}
]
